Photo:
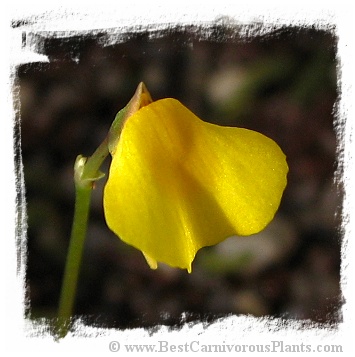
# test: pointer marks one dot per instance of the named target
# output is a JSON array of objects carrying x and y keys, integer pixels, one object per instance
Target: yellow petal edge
[{"x": 177, "y": 183}]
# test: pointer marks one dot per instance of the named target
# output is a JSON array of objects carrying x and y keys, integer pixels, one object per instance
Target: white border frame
[{"x": 79, "y": 18}]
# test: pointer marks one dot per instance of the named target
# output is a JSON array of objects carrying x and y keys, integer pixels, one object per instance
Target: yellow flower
[{"x": 177, "y": 184}]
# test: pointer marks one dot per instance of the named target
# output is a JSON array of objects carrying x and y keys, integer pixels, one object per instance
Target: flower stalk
[{"x": 86, "y": 173}]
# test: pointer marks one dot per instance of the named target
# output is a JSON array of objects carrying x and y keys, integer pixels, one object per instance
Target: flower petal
[{"x": 177, "y": 183}]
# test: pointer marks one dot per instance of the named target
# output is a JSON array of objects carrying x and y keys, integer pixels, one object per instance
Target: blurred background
[{"x": 283, "y": 84}]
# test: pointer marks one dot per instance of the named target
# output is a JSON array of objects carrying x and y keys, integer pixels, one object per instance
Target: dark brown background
[{"x": 283, "y": 84}]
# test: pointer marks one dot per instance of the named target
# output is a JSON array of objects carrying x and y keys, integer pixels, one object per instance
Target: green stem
[
  {"x": 86, "y": 172},
  {"x": 71, "y": 273},
  {"x": 94, "y": 162}
]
